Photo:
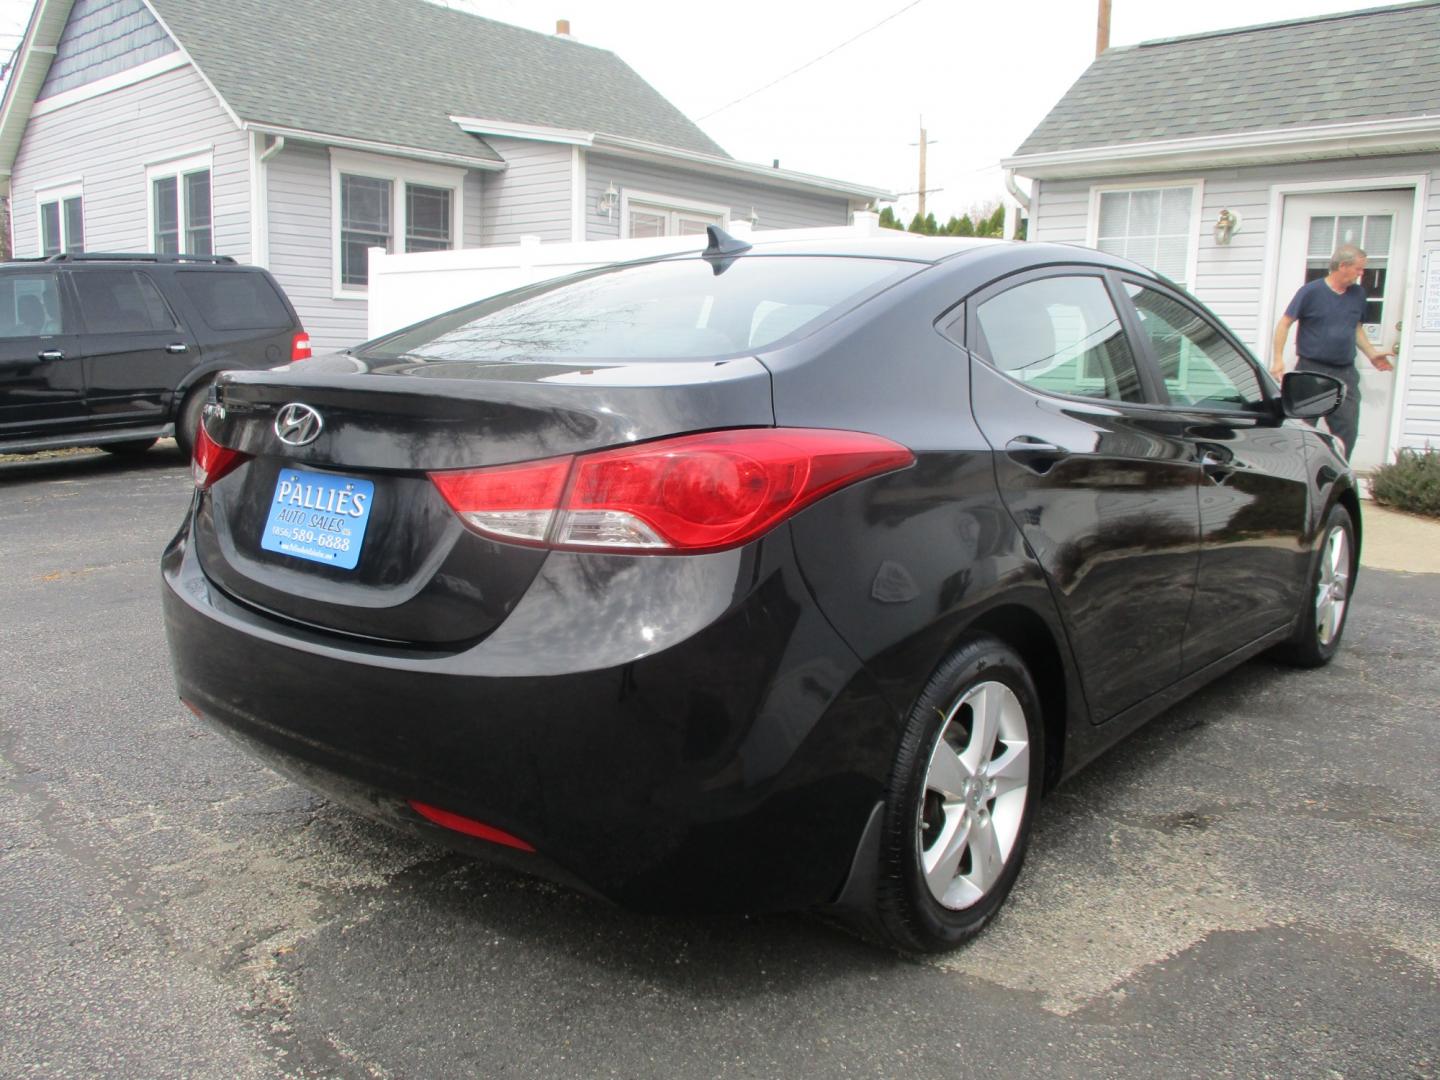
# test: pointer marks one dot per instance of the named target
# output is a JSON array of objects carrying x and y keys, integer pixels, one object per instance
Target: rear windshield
[
  {"x": 228, "y": 300},
  {"x": 671, "y": 310}
]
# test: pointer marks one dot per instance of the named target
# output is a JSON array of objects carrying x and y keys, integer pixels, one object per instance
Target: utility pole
[{"x": 923, "y": 191}]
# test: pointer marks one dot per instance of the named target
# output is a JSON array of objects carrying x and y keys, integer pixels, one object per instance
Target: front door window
[
  {"x": 1199, "y": 366},
  {"x": 1369, "y": 232}
]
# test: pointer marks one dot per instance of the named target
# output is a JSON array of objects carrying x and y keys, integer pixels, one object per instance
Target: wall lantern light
[
  {"x": 609, "y": 199},
  {"x": 1226, "y": 226}
]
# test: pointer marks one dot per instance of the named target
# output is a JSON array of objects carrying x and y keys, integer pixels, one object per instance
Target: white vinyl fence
[{"x": 407, "y": 288}]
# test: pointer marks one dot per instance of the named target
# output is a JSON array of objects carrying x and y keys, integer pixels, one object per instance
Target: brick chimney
[
  {"x": 1102, "y": 28},
  {"x": 562, "y": 27}
]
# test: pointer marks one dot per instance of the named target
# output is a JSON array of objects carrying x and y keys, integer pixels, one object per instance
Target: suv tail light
[
  {"x": 688, "y": 494},
  {"x": 300, "y": 347},
  {"x": 211, "y": 460}
]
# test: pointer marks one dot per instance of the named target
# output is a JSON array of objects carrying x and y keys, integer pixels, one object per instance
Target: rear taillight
[
  {"x": 517, "y": 502},
  {"x": 211, "y": 460},
  {"x": 300, "y": 347},
  {"x": 689, "y": 494}
]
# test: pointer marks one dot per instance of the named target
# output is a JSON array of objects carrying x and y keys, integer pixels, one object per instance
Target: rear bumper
[{"x": 710, "y": 744}]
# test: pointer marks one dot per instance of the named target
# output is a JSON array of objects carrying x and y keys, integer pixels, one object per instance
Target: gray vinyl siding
[
  {"x": 775, "y": 208},
  {"x": 532, "y": 196},
  {"x": 1231, "y": 278},
  {"x": 474, "y": 228},
  {"x": 303, "y": 248},
  {"x": 104, "y": 37},
  {"x": 106, "y": 142},
  {"x": 1059, "y": 211}
]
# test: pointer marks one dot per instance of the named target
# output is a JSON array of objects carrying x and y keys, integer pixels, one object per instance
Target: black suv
[{"x": 119, "y": 350}]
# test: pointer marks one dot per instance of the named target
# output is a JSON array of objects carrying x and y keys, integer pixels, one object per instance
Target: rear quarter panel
[{"x": 905, "y": 563}]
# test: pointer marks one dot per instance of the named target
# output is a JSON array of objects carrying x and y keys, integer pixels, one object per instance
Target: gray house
[
  {"x": 298, "y": 133},
  {"x": 1236, "y": 161}
]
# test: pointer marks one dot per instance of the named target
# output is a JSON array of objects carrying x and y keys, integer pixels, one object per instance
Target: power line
[{"x": 812, "y": 63}]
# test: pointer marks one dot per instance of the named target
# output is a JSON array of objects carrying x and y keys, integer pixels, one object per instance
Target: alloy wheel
[
  {"x": 1332, "y": 588},
  {"x": 976, "y": 785}
]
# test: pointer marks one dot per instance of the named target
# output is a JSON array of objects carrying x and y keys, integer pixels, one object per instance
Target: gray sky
[{"x": 982, "y": 74}]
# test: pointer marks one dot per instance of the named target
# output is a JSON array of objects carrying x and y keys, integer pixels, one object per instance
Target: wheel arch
[
  {"x": 1025, "y": 631},
  {"x": 197, "y": 378}
]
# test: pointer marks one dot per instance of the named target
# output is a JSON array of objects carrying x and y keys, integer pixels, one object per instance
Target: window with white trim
[
  {"x": 181, "y": 215},
  {"x": 644, "y": 215},
  {"x": 390, "y": 204},
  {"x": 1152, "y": 226},
  {"x": 364, "y": 223},
  {"x": 61, "y": 213}
]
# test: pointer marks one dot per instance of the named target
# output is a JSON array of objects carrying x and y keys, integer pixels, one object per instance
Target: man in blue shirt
[{"x": 1330, "y": 311}]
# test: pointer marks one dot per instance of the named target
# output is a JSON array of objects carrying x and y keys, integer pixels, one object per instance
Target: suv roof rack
[{"x": 137, "y": 256}]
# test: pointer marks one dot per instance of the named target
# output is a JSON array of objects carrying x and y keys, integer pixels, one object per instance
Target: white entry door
[{"x": 1379, "y": 223}]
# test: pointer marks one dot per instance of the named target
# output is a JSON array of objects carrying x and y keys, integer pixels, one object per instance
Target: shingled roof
[
  {"x": 1380, "y": 64},
  {"x": 395, "y": 71}
]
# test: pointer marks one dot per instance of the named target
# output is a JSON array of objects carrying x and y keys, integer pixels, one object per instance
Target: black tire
[
  {"x": 1325, "y": 603},
  {"x": 921, "y": 824},
  {"x": 129, "y": 447},
  {"x": 187, "y": 420}
]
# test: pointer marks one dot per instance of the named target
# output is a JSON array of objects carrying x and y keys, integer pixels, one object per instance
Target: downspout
[
  {"x": 1021, "y": 197},
  {"x": 262, "y": 202}
]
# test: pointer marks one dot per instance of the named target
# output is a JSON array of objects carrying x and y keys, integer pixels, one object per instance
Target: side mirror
[{"x": 1308, "y": 395}]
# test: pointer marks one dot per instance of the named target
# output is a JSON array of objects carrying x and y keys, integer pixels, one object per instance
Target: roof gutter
[
  {"x": 1359, "y": 139},
  {"x": 373, "y": 147},
  {"x": 621, "y": 146}
]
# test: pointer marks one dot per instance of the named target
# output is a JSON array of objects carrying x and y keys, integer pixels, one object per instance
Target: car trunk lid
[{"x": 416, "y": 575}]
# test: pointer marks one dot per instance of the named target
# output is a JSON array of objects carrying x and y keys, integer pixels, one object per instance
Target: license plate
[{"x": 318, "y": 517}]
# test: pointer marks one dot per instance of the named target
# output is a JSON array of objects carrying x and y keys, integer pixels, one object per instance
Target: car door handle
[
  {"x": 50, "y": 354},
  {"x": 177, "y": 347},
  {"x": 1034, "y": 453}
]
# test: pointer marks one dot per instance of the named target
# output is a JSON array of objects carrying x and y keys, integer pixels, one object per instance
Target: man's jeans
[{"x": 1344, "y": 422}]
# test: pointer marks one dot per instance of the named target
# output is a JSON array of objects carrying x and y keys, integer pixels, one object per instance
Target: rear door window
[
  {"x": 30, "y": 305},
  {"x": 228, "y": 300},
  {"x": 1062, "y": 335},
  {"x": 120, "y": 301},
  {"x": 673, "y": 310}
]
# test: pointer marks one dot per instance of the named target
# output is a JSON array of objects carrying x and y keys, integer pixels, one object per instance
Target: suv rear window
[
  {"x": 230, "y": 300},
  {"x": 673, "y": 310}
]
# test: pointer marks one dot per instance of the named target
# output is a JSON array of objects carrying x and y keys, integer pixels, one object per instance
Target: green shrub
[{"x": 1411, "y": 482}]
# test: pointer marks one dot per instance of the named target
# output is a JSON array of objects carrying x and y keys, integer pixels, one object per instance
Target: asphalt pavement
[{"x": 1245, "y": 888}]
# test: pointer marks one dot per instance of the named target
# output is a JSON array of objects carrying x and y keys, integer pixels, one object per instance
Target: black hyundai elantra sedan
[{"x": 760, "y": 577}]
